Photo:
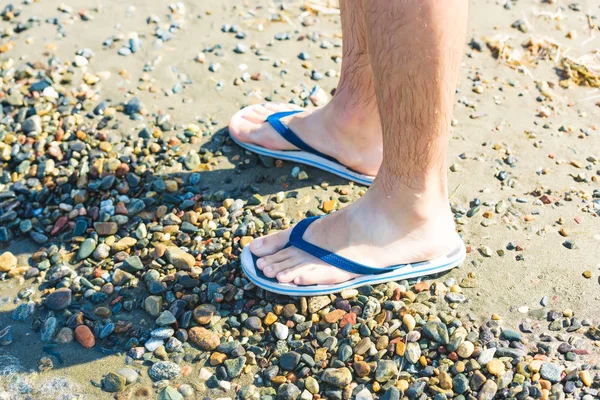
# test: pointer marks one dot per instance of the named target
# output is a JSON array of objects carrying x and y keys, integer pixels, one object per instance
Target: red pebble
[
  {"x": 348, "y": 318},
  {"x": 59, "y": 224}
]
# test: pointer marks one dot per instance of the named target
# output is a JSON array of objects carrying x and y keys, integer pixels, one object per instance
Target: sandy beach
[{"x": 524, "y": 180}]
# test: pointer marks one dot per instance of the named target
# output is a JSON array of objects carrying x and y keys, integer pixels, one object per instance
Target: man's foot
[
  {"x": 372, "y": 231},
  {"x": 354, "y": 141}
]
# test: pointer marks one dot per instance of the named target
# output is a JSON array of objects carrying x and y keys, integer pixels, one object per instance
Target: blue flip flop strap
[
  {"x": 290, "y": 136},
  {"x": 329, "y": 257}
]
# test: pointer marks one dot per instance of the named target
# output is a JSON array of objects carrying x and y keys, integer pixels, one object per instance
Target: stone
[
  {"x": 349, "y": 318},
  {"x": 170, "y": 393},
  {"x": 179, "y": 258},
  {"x": 465, "y": 349},
  {"x": 187, "y": 391},
  {"x": 511, "y": 335},
  {"x": 338, "y": 377},
  {"x": 7, "y": 261},
  {"x": 334, "y": 316},
  {"x": 64, "y": 335},
  {"x": 361, "y": 368},
  {"x": 312, "y": 385},
  {"x": 22, "y": 312},
  {"x": 217, "y": 358},
  {"x": 105, "y": 228},
  {"x": 436, "y": 331},
  {"x": 495, "y": 367},
  {"x": 509, "y": 352},
  {"x": 289, "y": 361},
  {"x": 409, "y": 322},
  {"x": 129, "y": 374},
  {"x": 364, "y": 394},
  {"x": 586, "y": 377},
  {"x": 162, "y": 370},
  {"x": 113, "y": 382},
  {"x": 363, "y": 346},
  {"x": 86, "y": 248},
  {"x": 165, "y": 318},
  {"x": 253, "y": 323},
  {"x": 204, "y": 338},
  {"x": 153, "y": 305},
  {"x": 445, "y": 380},
  {"x": 85, "y": 337},
  {"x": 416, "y": 389},
  {"x": 288, "y": 391},
  {"x": 123, "y": 244},
  {"x": 101, "y": 252},
  {"x": 120, "y": 277},
  {"x": 204, "y": 313},
  {"x": 488, "y": 391},
  {"x": 486, "y": 356},
  {"x": 460, "y": 383},
  {"x": 280, "y": 331},
  {"x": 234, "y": 366},
  {"x": 386, "y": 370},
  {"x": 133, "y": 264},
  {"x": 59, "y": 299},
  {"x": 317, "y": 303},
  {"x": 391, "y": 394},
  {"x": 551, "y": 372},
  {"x": 413, "y": 352},
  {"x": 270, "y": 319}
]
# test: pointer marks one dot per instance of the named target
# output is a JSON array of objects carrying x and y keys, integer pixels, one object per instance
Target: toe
[
  {"x": 272, "y": 270},
  {"x": 269, "y": 245},
  {"x": 315, "y": 274},
  {"x": 248, "y": 125},
  {"x": 274, "y": 258},
  {"x": 290, "y": 274},
  {"x": 307, "y": 277}
]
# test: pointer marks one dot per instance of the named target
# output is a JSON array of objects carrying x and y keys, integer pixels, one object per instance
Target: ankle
[
  {"x": 419, "y": 206},
  {"x": 353, "y": 113}
]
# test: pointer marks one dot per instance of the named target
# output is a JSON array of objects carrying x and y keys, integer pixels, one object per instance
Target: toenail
[
  {"x": 257, "y": 243},
  {"x": 268, "y": 270}
]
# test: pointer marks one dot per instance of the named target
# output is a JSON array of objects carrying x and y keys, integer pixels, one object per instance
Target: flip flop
[
  {"x": 368, "y": 275},
  {"x": 306, "y": 155}
]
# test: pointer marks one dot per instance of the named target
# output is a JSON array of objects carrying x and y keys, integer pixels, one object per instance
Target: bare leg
[
  {"x": 347, "y": 128},
  {"x": 415, "y": 49}
]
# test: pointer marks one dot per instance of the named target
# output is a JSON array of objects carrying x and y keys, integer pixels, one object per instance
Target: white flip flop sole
[
  {"x": 303, "y": 157},
  {"x": 440, "y": 264}
]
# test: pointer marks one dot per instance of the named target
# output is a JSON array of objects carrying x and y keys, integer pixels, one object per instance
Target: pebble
[
  {"x": 386, "y": 370},
  {"x": 59, "y": 299},
  {"x": 84, "y": 336},
  {"x": 179, "y": 258},
  {"x": 551, "y": 372},
  {"x": 113, "y": 382},
  {"x": 281, "y": 331},
  {"x": 203, "y": 338},
  {"x": 288, "y": 391},
  {"x": 7, "y": 261},
  {"x": 164, "y": 370},
  {"x": 170, "y": 393},
  {"x": 317, "y": 303},
  {"x": 338, "y": 377},
  {"x": 289, "y": 361},
  {"x": 129, "y": 374}
]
